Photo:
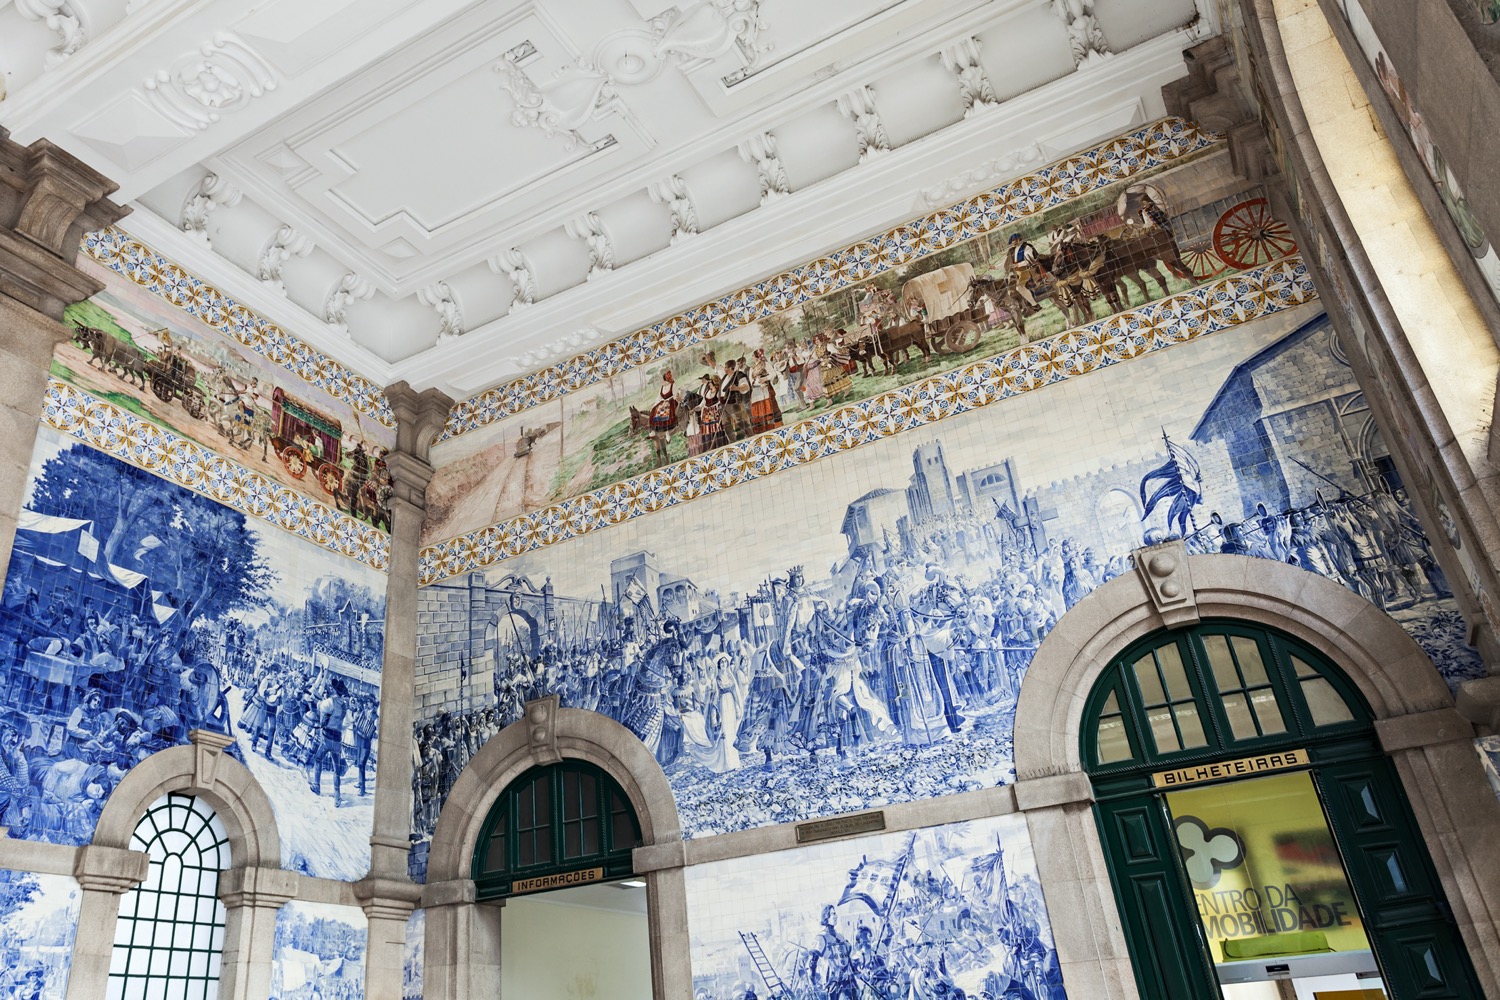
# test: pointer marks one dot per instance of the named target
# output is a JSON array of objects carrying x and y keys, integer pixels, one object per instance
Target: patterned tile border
[
  {"x": 143, "y": 444},
  {"x": 1155, "y": 145},
  {"x": 128, "y": 256},
  {"x": 1218, "y": 305}
]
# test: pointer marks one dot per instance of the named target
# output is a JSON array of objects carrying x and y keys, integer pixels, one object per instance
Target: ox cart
[
  {"x": 941, "y": 299},
  {"x": 306, "y": 438},
  {"x": 172, "y": 375}
]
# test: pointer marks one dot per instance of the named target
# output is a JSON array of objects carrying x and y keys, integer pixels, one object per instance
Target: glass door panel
[{"x": 1271, "y": 893}]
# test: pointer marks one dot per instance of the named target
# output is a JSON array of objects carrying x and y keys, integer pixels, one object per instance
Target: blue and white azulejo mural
[
  {"x": 135, "y": 611},
  {"x": 38, "y": 922},
  {"x": 950, "y": 911},
  {"x": 319, "y": 952},
  {"x": 854, "y": 632}
]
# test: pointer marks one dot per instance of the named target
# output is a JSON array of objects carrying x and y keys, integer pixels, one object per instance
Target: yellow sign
[
  {"x": 1222, "y": 769},
  {"x": 557, "y": 881}
]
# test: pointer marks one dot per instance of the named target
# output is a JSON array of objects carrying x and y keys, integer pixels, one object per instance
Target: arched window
[
  {"x": 567, "y": 823},
  {"x": 169, "y": 937},
  {"x": 1215, "y": 689}
]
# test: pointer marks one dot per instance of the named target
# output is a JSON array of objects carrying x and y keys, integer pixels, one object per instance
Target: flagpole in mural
[{"x": 1181, "y": 481}]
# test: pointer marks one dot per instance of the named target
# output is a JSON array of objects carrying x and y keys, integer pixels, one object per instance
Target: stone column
[
  {"x": 252, "y": 898},
  {"x": 387, "y": 904},
  {"x": 388, "y": 895},
  {"x": 48, "y": 200},
  {"x": 104, "y": 874},
  {"x": 462, "y": 943}
]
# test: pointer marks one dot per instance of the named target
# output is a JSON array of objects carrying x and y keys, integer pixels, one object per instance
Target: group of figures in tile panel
[
  {"x": 940, "y": 914},
  {"x": 1105, "y": 251},
  {"x": 894, "y": 675},
  {"x": 135, "y": 611},
  {"x": 132, "y": 348}
]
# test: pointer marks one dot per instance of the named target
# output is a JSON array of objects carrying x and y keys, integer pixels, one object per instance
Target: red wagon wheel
[
  {"x": 1203, "y": 262},
  {"x": 1248, "y": 235}
]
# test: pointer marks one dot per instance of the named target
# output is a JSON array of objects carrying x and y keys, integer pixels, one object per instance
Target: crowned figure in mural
[{"x": 936, "y": 610}]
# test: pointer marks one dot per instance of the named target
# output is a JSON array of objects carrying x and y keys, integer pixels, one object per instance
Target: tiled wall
[
  {"x": 790, "y": 648},
  {"x": 38, "y": 921},
  {"x": 135, "y": 610},
  {"x": 908, "y": 914},
  {"x": 319, "y": 952}
]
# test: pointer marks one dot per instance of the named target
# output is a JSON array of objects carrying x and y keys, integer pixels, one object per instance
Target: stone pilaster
[
  {"x": 387, "y": 904},
  {"x": 252, "y": 898},
  {"x": 419, "y": 417},
  {"x": 104, "y": 874},
  {"x": 463, "y": 943},
  {"x": 48, "y": 200}
]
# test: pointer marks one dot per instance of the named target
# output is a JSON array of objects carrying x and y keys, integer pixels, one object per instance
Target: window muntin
[
  {"x": 563, "y": 818},
  {"x": 1218, "y": 686},
  {"x": 169, "y": 937}
]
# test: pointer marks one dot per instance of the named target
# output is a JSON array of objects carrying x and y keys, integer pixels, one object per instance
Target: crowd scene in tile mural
[
  {"x": 898, "y": 670},
  {"x": 320, "y": 953},
  {"x": 136, "y": 611},
  {"x": 945, "y": 913},
  {"x": 1093, "y": 255}
]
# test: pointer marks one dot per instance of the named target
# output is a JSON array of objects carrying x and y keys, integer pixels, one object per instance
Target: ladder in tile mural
[{"x": 777, "y": 988}]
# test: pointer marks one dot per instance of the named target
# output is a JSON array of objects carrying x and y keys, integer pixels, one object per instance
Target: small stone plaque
[{"x": 842, "y": 826}]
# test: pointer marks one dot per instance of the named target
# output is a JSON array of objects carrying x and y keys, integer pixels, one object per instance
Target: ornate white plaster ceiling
[{"x": 455, "y": 192}]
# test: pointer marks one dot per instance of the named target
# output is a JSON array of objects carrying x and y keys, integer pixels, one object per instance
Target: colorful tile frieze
[
  {"x": 143, "y": 444},
  {"x": 1158, "y": 144},
  {"x": 1218, "y": 305},
  {"x": 128, "y": 256}
]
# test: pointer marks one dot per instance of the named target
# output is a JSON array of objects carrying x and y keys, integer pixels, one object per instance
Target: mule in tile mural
[
  {"x": 850, "y": 634},
  {"x": 949, "y": 911},
  {"x": 135, "y": 350},
  {"x": 1088, "y": 252},
  {"x": 136, "y": 611}
]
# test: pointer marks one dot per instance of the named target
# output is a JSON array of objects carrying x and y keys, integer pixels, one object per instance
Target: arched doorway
[
  {"x": 1258, "y": 842},
  {"x": 556, "y": 850}
]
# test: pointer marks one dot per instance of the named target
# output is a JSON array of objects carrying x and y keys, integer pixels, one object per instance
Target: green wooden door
[
  {"x": 1161, "y": 928},
  {"x": 1406, "y": 917}
]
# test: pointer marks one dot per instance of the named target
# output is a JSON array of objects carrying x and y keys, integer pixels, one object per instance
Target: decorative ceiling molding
[
  {"x": 1191, "y": 315},
  {"x": 102, "y": 425},
  {"x": 513, "y": 264},
  {"x": 982, "y": 176},
  {"x": 673, "y": 193},
  {"x": 859, "y": 107},
  {"x": 1159, "y": 143},
  {"x": 213, "y": 192},
  {"x": 1084, "y": 34},
  {"x": 287, "y": 243},
  {"x": 760, "y": 152},
  {"x": 125, "y": 255},
  {"x": 558, "y": 107},
  {"x": 349, "y": 289},
  {"x": 440, "y": 296},
  {"x": 199, "y": 88},
  {"x": 974, "y": 87},
  {"x": 589, "y": 228},
  {"x": 61, "y": 17}
]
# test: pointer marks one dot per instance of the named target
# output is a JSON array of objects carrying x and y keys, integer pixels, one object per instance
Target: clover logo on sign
[{"x": 1207, "y": 853}]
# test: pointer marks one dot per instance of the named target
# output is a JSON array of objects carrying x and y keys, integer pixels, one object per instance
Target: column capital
[
  {"x": 456, "y": 892},
  {"x": 113, "y": 870},
  {"x": 419, "y": 418},
  {"x": 262, "y": 888},
  {"x": 387, "y": 898},
  {"x": 48, "y": 200}
]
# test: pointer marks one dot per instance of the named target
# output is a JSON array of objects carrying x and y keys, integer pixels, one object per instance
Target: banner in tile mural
[
  {"x": 854, "y": 633},
  {"x": 139, "y": 352},
  {"x": 319, "y": 952},
  {"x": 948, "y": 911},
  {"x": 1096, "y": 252},
  {"x": 135, "y": 610},
  {"x": 38, "y": 921}
]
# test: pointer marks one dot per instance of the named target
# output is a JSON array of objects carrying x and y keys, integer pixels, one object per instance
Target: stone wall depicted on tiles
[
  {"x": 319, "y": 952},
  {"x": 135, "y": 610},
  {"x": 38, "y": 921},
  {"x": 920, "y": 914},
  {"x": 853, "y": 632},
  {"x": 1129, "y": 222},
  {"x": 161, "y": 345}
]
